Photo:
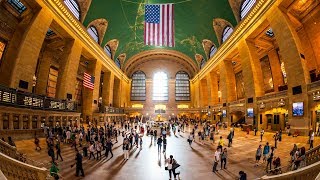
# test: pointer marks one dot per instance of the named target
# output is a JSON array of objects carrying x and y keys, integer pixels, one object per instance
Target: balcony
[
  {"x": 314, "y": 86},
  {"x": 14, "y": 98},
  {"x": 273, "y": 96}
]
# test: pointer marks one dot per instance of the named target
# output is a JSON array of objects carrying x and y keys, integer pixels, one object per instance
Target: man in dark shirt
[
  {"x": 159, "y": 142},
  {"x": 109, "y": 148},
  {"x": 79, "y": 164},
  {"x": 164, "y": 144}
]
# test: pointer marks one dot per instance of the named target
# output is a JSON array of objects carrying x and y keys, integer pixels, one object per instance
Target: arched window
[
  {"x": 117, "y": 61},
  {"x": 17, "y": 5},
  {"x": 94, "y": 33},
  {"x": 202, "y": 63},
  {"x": 73, "y": 7},
  {"x": 108, "y": 51},
  {"x": 182, "y": 86},
  {"x": 213, "y": 50},
  {"x": 160, "y": 87},
  {"x": 226, "y": 33},
  {"x": 138, "y": 86},
  {"x": 245, "y": 7}
]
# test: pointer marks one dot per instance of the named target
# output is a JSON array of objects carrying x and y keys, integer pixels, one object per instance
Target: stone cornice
[
  {"x": 254, "y": 16},
  {"x": 63, "y": 15}
]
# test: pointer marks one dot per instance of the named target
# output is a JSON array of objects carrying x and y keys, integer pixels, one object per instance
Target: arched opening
[
  {"x": 160, "y": 87},
  {"x": 213, "y": 50},
  {"x": 73, "y": 7},
  {"x": 246, "y": 7},
  {"x": 138, "y": 86},
  {"x": 107, "y": 49},
  {"x": 93, "y": 33},
  {"x": 226, "y": 33},
  {"x": 182, "y": 86},
  {"x": 202, "y": 63}
]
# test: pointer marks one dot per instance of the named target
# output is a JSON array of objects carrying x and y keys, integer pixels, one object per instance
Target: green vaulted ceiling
[{"x": 193, "y": 23}]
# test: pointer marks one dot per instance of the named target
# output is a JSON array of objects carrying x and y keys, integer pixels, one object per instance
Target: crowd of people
[{"x": 91, "y": 141}]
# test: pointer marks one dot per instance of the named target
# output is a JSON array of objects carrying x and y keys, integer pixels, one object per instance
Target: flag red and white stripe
[
  {"x": 88, "y": 81},
  {"x": 159, "y": 31}
]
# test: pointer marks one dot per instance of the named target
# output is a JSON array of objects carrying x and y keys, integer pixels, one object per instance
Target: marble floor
[{"x": 146, "y": 164}]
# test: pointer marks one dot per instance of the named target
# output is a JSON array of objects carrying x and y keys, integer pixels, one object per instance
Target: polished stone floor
[{"x": 196, "y": 162}]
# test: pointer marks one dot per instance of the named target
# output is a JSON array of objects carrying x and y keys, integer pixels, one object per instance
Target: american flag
[
  {"x": 88, "y": 81},
  {"x": 159, "y": 25}
]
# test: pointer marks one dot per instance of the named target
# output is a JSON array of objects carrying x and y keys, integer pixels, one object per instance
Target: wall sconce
[{"x": 219, "y": 94}]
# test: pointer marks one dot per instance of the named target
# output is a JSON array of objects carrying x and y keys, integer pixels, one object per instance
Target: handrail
[
  {"x": 14, "y": 169},
  {"x": 2, "y": 175}
]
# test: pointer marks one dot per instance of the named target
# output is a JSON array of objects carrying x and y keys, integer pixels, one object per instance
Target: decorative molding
[
  {"x": 77, "y": 30},
  {"x": 252, "y": 18}
]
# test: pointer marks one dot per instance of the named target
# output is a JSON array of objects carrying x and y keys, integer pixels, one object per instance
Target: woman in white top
[{"x": 170, "y": 161}]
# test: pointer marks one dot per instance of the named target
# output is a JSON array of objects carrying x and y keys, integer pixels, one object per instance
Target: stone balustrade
[
  {"x": 314, "y": 86},
  {"x": 308, "y": 172},
  {"x": 14, "y": 169},
  {"x": 272, "y": 96},
  {"x": 2, "y": 176},
  {"x": 12, "y": 152}
]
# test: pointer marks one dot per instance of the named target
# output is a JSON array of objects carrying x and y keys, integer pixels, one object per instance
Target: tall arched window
[
  {"x": 245, "y": 7},
  {"x": 17, "y": 5},
  {"x": 108, "y": 51},
  {"x": 160, "y": 87},
  {"x": 138, "y": 86},
  {"x": 117, "y": 61},
  {"x": 226, "y": 33},
  {"x": 202, "y": 63},
  {"x": 93, "y": 33},
  {"x": 182, "y": 86},
  {"x": 213, "y": 50},
  {"x": 73, "y": 7}
]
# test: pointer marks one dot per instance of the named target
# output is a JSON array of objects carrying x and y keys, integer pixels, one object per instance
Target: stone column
[
  {"x": 116, "y": 92},
  {"x": 21, "y": 121},
  {"x": 204, "y": 90},
  {"x": 30, "y": 122},
  {"x": 23, "y": 53},
  {"x": 43, "y": 72},
  {"x": 252, "y": 75},
  {"x": 68, "y": 69},
  {"x": 11, "y": 121},
  {"x": 1, "y": 121},
  {"x": 90, "y": 102},
  {"x": 171, "y": 93},
  {"x": 39, "y": 122},
  {"x": 227, "y": 82},
  {"x": 54, "y": 121},
  {"x": 212, "y": 80},
  {"x": 107, "y": 92},
  {"x": 275, "y": 69},
  {"x": 298, "y": 74}
]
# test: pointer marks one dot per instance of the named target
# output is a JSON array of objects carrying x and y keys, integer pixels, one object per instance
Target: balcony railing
[
  {"x": 277, "y": 95},
  {"x": 314, "y": 86},
  {"x": 15, "y": 98}
]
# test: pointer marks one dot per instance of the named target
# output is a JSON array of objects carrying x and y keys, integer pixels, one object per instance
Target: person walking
[
  {"x": 159, "y": 142},
  {"x": 140, "y": 143},
  {"x": 221, "y": 143},
  {"x": 224, "y": 155},
  {"x": 261, "y": 134},
  {"x": 311, "y": 140},
  {"x": 58, "y": 151},
  {"x": 230, "y": 136},
  {"x": 99, "y": 149},
  {"x": 269, "y": 161},
  {"x": 37, "y": 142},
  {"x": 51, "y": 152},
  {"x": 216, "y": 160},
  {"x": 171, "y": 166},
  {"x": 126, "y": 149},
  {"x": 92, "y": 150},
  {"x": 258, "y": 155},
  {"x": 79, "y": 164},
  {"x": 108, "y": 148},
  {"x": 164, "y": 145},
  {"x": 275, "y": 137},
  {"x": 266, "y": 150},
  {"x": 190, "y": 139}
]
